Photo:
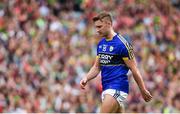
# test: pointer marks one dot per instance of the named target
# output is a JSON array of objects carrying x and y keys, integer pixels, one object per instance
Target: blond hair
[{"x": 101, "y": 16}]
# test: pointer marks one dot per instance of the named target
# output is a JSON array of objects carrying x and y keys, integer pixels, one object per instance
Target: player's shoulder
[{"x": 122, "y": 41}]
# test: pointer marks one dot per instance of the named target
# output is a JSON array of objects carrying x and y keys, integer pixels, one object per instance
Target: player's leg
[
  {"x": 121, "y": 98},
  {"x": 109, "y": 104},
  {"x": 120, "y": 109}
]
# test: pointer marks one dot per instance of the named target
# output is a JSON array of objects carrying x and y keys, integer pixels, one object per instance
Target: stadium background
[{"x": 47, "y": 46}]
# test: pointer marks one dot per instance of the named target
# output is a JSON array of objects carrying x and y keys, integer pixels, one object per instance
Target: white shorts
[{"x": 120, "y": 96}]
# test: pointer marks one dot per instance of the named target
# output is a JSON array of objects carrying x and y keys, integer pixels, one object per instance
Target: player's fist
[
  {"x": 83, "y": 82},
  {"x": 146, "y": 95}
]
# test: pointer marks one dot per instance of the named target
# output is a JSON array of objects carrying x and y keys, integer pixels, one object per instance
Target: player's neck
[{"x": 110, "y": 35}]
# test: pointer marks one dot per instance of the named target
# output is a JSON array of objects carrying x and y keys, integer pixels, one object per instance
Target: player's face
[{"x": 102, "y": 28}]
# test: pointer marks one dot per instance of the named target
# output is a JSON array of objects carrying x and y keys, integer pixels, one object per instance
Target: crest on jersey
[{"x": 111, "y": 48}]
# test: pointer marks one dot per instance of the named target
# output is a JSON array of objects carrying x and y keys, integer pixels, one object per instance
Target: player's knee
[
  {"x": 109, "y": 104},
  {"x": 108, "y": 109}
]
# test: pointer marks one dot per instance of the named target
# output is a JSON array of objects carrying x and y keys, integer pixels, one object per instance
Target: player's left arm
[
  {"x": 130, "y": 61},
  {"x": 138, "y": 78}
]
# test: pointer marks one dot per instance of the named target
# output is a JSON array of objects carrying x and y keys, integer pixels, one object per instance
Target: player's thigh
[
  {"x": 120, "y": 108},
  {"x": 109, "y": 104}
]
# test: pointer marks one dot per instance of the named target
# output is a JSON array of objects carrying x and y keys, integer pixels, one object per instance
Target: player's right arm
[{"x": 93, "y": 72}]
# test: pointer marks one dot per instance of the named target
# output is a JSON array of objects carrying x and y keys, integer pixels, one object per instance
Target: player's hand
[
  {"x": 83, "y": 82},
  {"x": 146, "y": 95}
]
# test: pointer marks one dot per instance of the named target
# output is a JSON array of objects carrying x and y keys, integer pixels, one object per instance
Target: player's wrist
[
  {"x": 86, "y": 78},
  {"x": 142, "y": 89}
]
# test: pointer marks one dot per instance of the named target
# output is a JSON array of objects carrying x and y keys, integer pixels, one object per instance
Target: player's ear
[{"x": 108, "y": 23}]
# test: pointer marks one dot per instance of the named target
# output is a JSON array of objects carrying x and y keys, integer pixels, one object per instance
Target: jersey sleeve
[
  {"x": 97, "y": 51},
  {"x": 127, "y": 51}
]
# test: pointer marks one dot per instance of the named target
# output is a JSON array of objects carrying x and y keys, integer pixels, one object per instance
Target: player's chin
[
  {"x": 98, "y": 34},
  {"x": 101, "y": 35}
]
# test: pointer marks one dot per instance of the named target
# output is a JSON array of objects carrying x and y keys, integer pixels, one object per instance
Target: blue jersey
[{"x": 111, "y": 58}]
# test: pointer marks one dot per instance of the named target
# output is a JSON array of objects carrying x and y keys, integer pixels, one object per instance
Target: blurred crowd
[{"x": 47, "y": 46}]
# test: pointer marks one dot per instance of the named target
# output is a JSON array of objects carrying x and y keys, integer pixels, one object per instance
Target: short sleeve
[
  {"x": 97, "y": 51},
  {"x": 127, "y": 51}
]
